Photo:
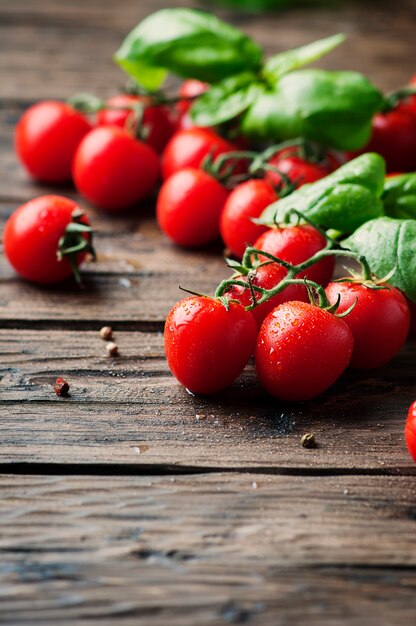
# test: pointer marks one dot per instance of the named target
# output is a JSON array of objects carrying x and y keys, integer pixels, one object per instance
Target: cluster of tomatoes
[
  {"x": 117, "y": 154},
  {"x": 301, "y": 347}
]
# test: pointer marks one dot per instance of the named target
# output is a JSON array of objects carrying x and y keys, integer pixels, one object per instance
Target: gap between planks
[{"x": 159, "y": 469}]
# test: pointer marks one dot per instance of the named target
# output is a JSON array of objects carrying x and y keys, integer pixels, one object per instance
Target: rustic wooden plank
[
  {"x": 131, "y": 410},
  {"x": 135, "y": 279},
  {"x": 208, "y": 549}
]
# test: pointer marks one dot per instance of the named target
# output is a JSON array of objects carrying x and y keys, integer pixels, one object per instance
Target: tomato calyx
[
  {"x": 89, "y": 104},
  {"x": 394, "y": 98},
  {"x": 370, "y": 282},
  {"x": 223, "y": 168},
  {"x": 255, "y": 258},
  {"x": 73, "y": 242},
  {"x": 223, "y": 299}
]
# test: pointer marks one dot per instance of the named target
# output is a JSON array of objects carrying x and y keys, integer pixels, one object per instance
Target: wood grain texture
[
  {"x": 119, "y": 404},
  {"x": 131, "y": 502},
  {"x": 58, "y": 37},
  {"x": 210, "y": 549}
]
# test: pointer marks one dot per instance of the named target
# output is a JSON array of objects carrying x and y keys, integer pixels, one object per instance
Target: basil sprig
[
  {"x": 342, "y": 201},
  {"x": 274, "y": 100},
  {"x": 189, "y": 43},
  {"x": 333, "y": 108},
  {"x": 389, "y": 245}
]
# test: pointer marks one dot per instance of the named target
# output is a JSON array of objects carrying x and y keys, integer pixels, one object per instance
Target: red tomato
[
  {"x": 190, "y": 89},
  {"x": 189, "y": 206},
  {"x": 412, "y": 309},
  {"x": 246, "y": 201},
  {"x": 113, "y": 170},
  {"x": 47, "y": 136},
  {"x": 301, "y": 351},
  {"x": 188, "y": 148},
  {"x": 267, "y": 277},
  {"x": 394, "y": 137},
  {"x": 410, "y": 430},
  {"x": 296, "y": 244},
  {"x": 156, "y": 120},
  {"x": 207, "y": 346},
  {"x": 299, "y": 171},
  {"x": 31, "y": 238},
  {"x": 379, "y": 321}
]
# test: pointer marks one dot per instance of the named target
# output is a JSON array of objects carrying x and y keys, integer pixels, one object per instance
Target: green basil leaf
[
  {"x": 389, "y": 244},
  {"x": 188, "y": 42},
  {"x": 254, "y": 6},
  {"x": 399, "y": 196},
  {"x": 343, "y": 200},
  {"x": 285, "y": 62},
  {"x": 225, "y": 100},
  {"x": 333, "y": 108}
]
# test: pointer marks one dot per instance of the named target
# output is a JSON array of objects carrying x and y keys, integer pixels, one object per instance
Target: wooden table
[{"x": 132, "y": 502}]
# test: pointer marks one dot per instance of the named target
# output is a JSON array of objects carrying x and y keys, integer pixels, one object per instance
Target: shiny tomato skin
[
  {"x": 31, "y": 237},
  {"x": 207, "y": 347},
  {"x": 188, "y": 148},
  {"x": 47, "y": 137},
  {"x": 296, "y": 244},
  {"x": 267, "y": 277},
  {"x": 410, "y": 430},
  {"x": 189, "y": 206},
  {"x": 299, "y": 171},
  {"x": 190, "y": 89},
  {"x": 301, "y": 350},
  {"x": 248, "y": 200},
  {"x": 156, "y": 119},
  {"x": 379, "y": 321},
  {"x": 394, "y": 137},
  {"x": 113, "y": 170}
]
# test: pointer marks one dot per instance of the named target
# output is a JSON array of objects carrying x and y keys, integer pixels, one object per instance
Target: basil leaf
[
  {"x": 254, "y": 6},
  {"x": 333, "y": 108},
  {"x": 399, "y": 196},
  {"x": 389, "y": 244},
  {"x": 188, "y": 42},
  {"x": 343, "y": 200},
  {"x": 225, "y": 100},
  {"x": 285, "y": 62}
]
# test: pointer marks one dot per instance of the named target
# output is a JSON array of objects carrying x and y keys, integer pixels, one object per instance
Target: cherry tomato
[
  {"x": 379, "y": 321},
  {"x": 32, "y": 234},
  {"x": 188, "y": 148},
  {"x": 246, "y": 201},
  {"x": 410, "y": 430},
  {"x": 412, "y": 309},
  {"x": 267, "y": 277},
  {"x": 394, "y": 137},
  {"x": 190, "y": 89},
  {"x": 301, "y": 351},
  {"x": 189, "y": 206},
  {"x": 207, "y": 346},
  {"x": 47, "y": 137},
  {"x": 298, "y": 170},
  {"x": 296, "y": 244},
  {"x": 113, "y": 170},
  {"x": 156, "y": 120}
]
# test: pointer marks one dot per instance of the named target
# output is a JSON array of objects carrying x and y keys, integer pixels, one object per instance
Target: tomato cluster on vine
[{"x": 282, "y": 306}]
